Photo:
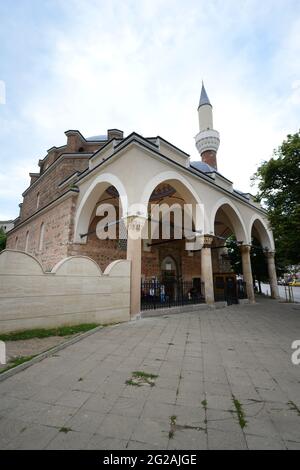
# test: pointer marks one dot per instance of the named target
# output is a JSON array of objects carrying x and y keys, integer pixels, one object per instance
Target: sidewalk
[{"x": 225, "y": 380}]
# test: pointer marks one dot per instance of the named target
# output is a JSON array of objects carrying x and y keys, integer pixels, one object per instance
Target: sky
[{"x": 137, "y": 65}]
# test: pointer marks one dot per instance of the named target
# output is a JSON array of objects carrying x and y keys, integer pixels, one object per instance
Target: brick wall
[
  {"x": 47, "y": 185},
  {"x": 101, "y": 251},
  {"x": 57, "y": 223},
  {"x": 209, "y": 157},
  {"x": 188, "y": 266}
]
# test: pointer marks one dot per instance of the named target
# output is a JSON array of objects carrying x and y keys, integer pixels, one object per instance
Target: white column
[
  {"x": 134, "y": 254},
  {"x": 270, "y": 255},
  {"x": 247, "y": 271},
  {"x": 206, "y": 270}
]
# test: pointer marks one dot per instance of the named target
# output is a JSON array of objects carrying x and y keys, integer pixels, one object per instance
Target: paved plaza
[{"x": 218, "y": 379}]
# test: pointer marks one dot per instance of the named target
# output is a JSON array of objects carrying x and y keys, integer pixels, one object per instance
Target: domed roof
[
  {"x": 97, "y": 138},
  {"x": 202, "y": 166}
]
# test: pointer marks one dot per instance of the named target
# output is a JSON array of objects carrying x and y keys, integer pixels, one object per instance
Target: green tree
[
  {"x": 258, "y": 260},
  {"x": 2, "y": 239},
  {"x": 279, "y": 191}
]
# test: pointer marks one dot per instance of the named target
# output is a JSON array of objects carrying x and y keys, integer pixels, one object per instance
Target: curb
[
  {"x": 160, "y": 312},
  {"x": 49, "y": 352}
]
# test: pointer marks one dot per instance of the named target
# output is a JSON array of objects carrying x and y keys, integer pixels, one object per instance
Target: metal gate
[{"x": 170, "y": 293}]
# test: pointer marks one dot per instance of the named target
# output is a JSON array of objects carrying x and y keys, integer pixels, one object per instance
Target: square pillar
[
  {"x": 206, "y": 270},
  {"x": 247, "y": 272}
]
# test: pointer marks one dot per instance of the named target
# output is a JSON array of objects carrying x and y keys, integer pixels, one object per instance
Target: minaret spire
[
  {"x": 203, "y": 97},
  {"x": 207, "y": 139}
]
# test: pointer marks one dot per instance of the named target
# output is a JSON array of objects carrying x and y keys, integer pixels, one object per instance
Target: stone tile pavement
[{"x": 215, "y": 371}]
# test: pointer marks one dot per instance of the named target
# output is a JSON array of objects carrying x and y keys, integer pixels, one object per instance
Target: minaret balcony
[{"x": 207, "y": 140}]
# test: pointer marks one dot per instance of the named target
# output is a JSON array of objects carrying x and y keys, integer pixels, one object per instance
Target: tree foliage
[
  {"x": 279, "y": 190},
  {"x": 2, "y": 239},
  {"x": 258, "y": 259}
]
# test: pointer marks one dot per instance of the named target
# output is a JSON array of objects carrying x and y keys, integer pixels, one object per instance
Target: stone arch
[
  {"x": 184, "y": 187},
  {"x": 90, "y": 198},
  {"x": 170, "y": 258},
  {"x": 263, "y": 231},
  {"x": 77, "y": 266},
  {"x": 234, "y": 216},
  {"x": 19, "y": 262}
]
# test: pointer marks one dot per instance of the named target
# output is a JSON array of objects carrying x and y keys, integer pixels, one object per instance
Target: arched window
[
  {"x": 27, "y": 241},
  {"x": 37, "y": 200},
  {"x": 41, "y": 240}
]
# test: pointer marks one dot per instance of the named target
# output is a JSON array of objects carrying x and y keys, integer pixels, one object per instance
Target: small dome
[
  {"x": 202, "y": 166},
  {"x": 97, "y": 138}
]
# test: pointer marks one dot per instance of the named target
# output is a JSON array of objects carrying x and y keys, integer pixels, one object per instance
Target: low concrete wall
[{"x": 75, "y": 291}]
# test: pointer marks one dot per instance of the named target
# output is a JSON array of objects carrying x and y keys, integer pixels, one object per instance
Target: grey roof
[
  {"x": 203, "y": 97},
  {"x": 204, "y": 167},
  {"x": 242, "y": 193},
  {"x": 97, "y": 138}
]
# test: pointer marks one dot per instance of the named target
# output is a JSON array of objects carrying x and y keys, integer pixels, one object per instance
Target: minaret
[{"x": 207, "y": 140}]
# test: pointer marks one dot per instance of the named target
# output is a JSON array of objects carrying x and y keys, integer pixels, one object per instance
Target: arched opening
[
  {"x": 91, "y": 198},
  {"x": 229, "y": 235},
  {"x": 261, "y": 244},
  {"x": 101, "y": 232},
  {"x": 170, "y": 268},
  {"x": 262, "y": 233}
]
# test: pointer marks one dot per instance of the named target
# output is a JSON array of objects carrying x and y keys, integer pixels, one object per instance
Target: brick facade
[
  {"x": 46, "y": 187},
  {"x": 56, "y": 237},
  {"x": 210, "y": 157}
]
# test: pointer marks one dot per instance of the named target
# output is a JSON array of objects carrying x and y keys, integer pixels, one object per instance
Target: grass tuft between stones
[
  {"x": 65, "y": 430},
  {"x": 239, "y": 411},
  {"x": 140, "y": 378}
]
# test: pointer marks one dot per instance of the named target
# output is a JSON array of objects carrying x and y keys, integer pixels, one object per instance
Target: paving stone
[
  {"x": 69, "y": 440},
  {"x": 117, "y": 426},
  {"x": 85, "y": 421},
  {"x": 265, "y": 443},
  {"x": 135, "y": 445},
  {"x": 190, "y": 415},
  {"x": 219, "y": 402},
  {"x": 152, "y": 432},
  {"x": 157, "y": 410},
  {"x": 48, "y": 395},
  {"x": 221, "y": 440},
  {"x": 162, "y": 395},
  {"x": 97, "y": 403},
  {"x": 188, "y": 439},
  {"x": 291, "y": 445},
  {"x": 127, "y": 406},
  {"x": 98, "y": 442},
  {"x": 56, "y": 415},
  {"x": 73, "y": 398},
  {"x": 10, "y": 428},
  {"x": 34, "y": 437}
]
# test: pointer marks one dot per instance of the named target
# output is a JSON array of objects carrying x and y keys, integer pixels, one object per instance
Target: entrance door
[
  {"x": 225, "y": 287},
  {"x": 169, "y": 279}
]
